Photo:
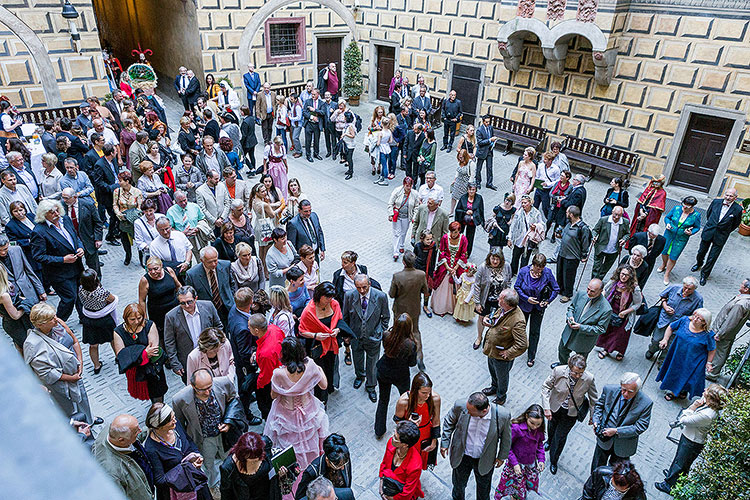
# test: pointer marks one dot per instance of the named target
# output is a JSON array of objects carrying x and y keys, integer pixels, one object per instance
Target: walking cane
[{"x": 584, "y": 266}]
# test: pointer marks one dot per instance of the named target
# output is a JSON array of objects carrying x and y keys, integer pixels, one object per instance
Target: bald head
[
  {"x": 123, "y": 431},
  {"x": 617, "y": 213},
  {"x": 730, "y": 195},
  {"x": 595, "y": 288}
]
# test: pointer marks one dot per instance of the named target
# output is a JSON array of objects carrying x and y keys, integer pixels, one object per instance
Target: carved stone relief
[
  {"x": 555, "y": 9},
  {"x": 526, "y": 8},
  {"x": 587, "y": 10}
]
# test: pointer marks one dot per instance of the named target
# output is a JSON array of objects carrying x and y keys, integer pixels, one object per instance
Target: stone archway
[
  {"x": 256, "y": 22},
  {"x": 41, "y": 57}
]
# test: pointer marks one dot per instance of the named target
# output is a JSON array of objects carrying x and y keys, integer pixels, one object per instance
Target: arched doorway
[{"x": 41, "y": 57}]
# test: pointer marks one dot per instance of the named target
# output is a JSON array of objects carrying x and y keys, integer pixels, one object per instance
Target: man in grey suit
[
  {"x": 213, "y": 281},
  {"x": 200, "y": 408},
  {"x": 477, "y": 437},
  {"x": 430, "y": 216},
  {"x": 728, "y": 323},
  {"x": 366, "y": 312},
  {"x": 20, "y": 273},
  {"x": 184, "y": 324},
  {"x": 587, "y": 317},
  {"x": 621, "y": 414},
  {"x": 213, "y": 200},
  {"x": 609, "y": 235}
]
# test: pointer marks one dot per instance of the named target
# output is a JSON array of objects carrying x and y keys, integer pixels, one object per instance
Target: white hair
[
  {"x": 706, "y": 315},
  {"x": 12, "y": 154},
  {"x": 180, "y": 193},
  {"x": 654, "y": 229},
  {"x": 631, "y": 378},
  {"x": 68, "y": 191},
  {"x": 640, "y": 249},
  {"x": 46, "y": 206},
  {"x": 206, "y": 250},
  {"x": 690, "y": 281},
  {"x": 237, "y": 204},
  {"x": 580, "y": 178}
]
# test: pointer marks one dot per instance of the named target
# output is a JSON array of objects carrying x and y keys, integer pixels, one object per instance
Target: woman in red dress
[
  {"x": 401, "y": 463},
  {"x": 452, "y": 261},
  {"x": 650, "y": 206},
  {"x": 421, "y": 405}
]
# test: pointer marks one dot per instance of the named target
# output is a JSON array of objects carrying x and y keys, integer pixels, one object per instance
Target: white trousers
[{"x": 400, "y": 230}]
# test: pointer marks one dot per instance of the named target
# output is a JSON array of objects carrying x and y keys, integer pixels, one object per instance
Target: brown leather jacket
[{"x": 509, "y": 333}]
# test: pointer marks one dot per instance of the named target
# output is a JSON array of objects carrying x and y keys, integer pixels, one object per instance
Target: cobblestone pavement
[{"x": 354, "y": 217}]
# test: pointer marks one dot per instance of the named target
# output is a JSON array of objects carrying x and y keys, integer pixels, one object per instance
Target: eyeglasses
[
  {"x": 186, "y": 302},
  {"x": 205, "y": 389}
]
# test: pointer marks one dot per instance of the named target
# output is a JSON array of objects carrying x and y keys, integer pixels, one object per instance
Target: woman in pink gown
[
  {"x": 450, "y": 265},
  {"x": 524, "y": 182},
  {"x": 275, "y": 165},
  {"x": 297, "y": 418}
]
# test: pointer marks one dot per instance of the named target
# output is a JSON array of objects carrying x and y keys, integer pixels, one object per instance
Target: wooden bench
[
  {"x": 39, "y": 116},
  {"x": 600, "y": 155},
  {"x": 522, "y": 133}
]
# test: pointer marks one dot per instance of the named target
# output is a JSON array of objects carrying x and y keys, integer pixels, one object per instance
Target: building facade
[{"x": 666, "y": 79}]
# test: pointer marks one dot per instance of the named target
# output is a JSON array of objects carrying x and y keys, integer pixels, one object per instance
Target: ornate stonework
[
  {"x": 587, "y": 10},
  {"x": 526, "y": 8},
  {"x": 555, "y": 10}
]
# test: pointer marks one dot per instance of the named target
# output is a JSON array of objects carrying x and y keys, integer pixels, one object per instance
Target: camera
[
  {"x": 286, "y": 219},
  {"x": 675, "y": 424}
]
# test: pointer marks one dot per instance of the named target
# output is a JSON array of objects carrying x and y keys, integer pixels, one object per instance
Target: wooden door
[
  {"x": 386, "y": 63},
  {"x": 466, "y": 81},
  {"x": 329, "y": 51},
  {"x": 701, "y": 152}
]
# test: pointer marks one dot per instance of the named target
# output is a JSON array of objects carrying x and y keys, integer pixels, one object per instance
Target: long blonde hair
[{"x": 4, "y": 287}]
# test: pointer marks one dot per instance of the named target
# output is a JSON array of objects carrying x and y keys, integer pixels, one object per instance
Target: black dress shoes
[
  {"x": 663, "y": 487},
  {"x": 492, "y": 187},
  {"x": 443, "y": 147},
  {"x": 347, "y": 176},
  {"x": 553, "y": 365},
  {"x": 372, "y": 395},
  {"x": 114, "y": 243},
  {"x": 358, "y": 383},
  {"x": 552, "y": 469},
  {"x": 703, "y": 280},
  {"x": 254, "y": 420},
  {"x": 102, "y": 251},
  {"x": 695, "y": 268},
  {"x": 309, "y": 158},
  {"x": 546, "y": 446},
  {"x": 488, "y": 391},
  {"x": 317, "y": 157},
  {"x": 499, "y": 401}
]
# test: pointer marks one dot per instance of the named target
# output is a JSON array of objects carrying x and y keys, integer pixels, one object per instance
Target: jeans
[
  {"x": 349, "y": 159},
  {"x": 281, "y": 131},
  {"x": 560, "y": 426},
  {"x": 566, "y": 275},
  {"x": 213, "y": 453},
  {"x": 461, "y": 475},
  {"x": 541, "y": 197},
  {"x": 365, "y": 354},
  {"x": 500, "y": 374},
  {"x": 296, "y": 131},
  {"x": 400, "y": 230},
  {"x": 687, "y": 452},
  {"x": 385, "y": 381},
  {"x": 534, "y": 320},
  {"x": 384, "y": 165},
  {"x": 393, "y": 159}
]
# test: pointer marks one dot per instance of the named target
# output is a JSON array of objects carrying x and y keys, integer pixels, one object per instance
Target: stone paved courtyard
[{"x": 354, "y": 217}]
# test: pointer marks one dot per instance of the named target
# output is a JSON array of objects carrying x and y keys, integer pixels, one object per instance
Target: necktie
[
  {"x": 184, "y": 82},
  {"x": 73, "y": 217},
  {"x": 364, "y": 305},
  {"x": 311, "y": 231},
  {"x": 172, "y": 254},
  {"x": 215, "y": 296},
  {"x": 650, "y": 244}
]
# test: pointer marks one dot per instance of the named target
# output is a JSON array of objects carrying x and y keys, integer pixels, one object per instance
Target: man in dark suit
[
  {"x": 422, "y": 102},
  {"x": 622, "y": 413},
  {"x": 77, "y": 148},
  {"x": 212, "y": 126},
  {"x": 366, "y": 312},
  {"x": 249, "y": 139},
  {"x": 304, "y": 229},
  {"x": 243, "y": 346},
  {"x": 654, "y": 243},
  {"x": 114, "y": 106},
  {"x": 56, "y": 245},
  {"x": 313, "y": 121},
  {"x": 48, "y": 137},
  {"x": 329, "y": 127},
  {"x": 451, "y": 114},
  {"x": 93, "y": 155},
  {"x": 213, "y": 281},
  {"x": 104, "y": 179},
  {"x": 88, "y": 225},
  {"x": 407, "y": 288},
  {"x": 184, "y": 324},
  {"x": 187, "y": 88},
  {"x": 412, "y": 146},
  {"x": 577, "y": 195},
  {"x": 485, "y": 146},
  {"x": 489, "y": 429},
  {"x": 395, "y": 106},
  {"x": 722, "y": 218}
]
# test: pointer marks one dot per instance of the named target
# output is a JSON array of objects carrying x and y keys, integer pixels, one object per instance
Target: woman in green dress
[{"x": 682, "y": 222}]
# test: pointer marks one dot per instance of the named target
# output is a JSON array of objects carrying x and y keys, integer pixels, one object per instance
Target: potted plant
[
  {"x": 353, "y": 73},
  {"x": 744, "y": 228}
]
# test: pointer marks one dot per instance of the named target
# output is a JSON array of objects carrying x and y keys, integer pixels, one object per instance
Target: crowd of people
[{"x": 232, "y": 299}]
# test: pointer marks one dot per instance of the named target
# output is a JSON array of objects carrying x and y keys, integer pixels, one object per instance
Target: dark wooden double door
[
  {"x": 386, "y": 64},
  {"x": 467, "y": 82},
  {"x": 329, "y": 51},
  {"x": 701, "y": 152}
]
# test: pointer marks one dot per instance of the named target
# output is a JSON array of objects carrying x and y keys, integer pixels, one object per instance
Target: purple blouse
[
  {"x": 527, "y": 447},
  {"x": 528, "y": 286}
]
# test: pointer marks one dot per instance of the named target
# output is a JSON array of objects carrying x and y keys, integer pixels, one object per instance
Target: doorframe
[
  {"x": 372, "y": 91},
  {"x": 469, "y": 62},
  {"x": 726, "y": 158},
  {"x": 340, "y": 33}
]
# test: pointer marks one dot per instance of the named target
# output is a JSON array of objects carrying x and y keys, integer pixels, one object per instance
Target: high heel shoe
[{"x": 97, "y": 370}]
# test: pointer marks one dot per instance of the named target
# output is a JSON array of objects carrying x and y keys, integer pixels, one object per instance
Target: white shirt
[
  {"x": 430, "y": 218},
  {"x": 548, "y": 176},
  {"x": 109, "y": 136},
  {"x": 724, "y": 210},
  {"x": 476, "y": 434},
  {"x": 64, "y": 232},
  {"x": 269, "y": 103},
  {"x": 425, "y": 191},
  {"x": 160, "y": 248},
  {"x": 145, "y": 232},
  {"x": 348, "y": 282},
  {"x": 194, "y": 324},
  {"x": 614, "y": 229}
]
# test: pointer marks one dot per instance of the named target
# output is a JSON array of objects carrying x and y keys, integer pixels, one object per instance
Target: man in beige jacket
[{"x": 504, "y": 341}]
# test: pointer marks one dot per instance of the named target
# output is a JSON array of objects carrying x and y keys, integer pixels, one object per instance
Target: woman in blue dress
[
  {"x": 682, "y": 222},
  {"x": 689, "y": 357}
]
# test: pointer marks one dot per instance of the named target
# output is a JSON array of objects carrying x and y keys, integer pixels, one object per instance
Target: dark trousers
[
  {"x": 488, "y": 165},
  {"x": 602, "y": 263},
  {"x": 349, "y": 159},
  {"x": 185, "y": 102},
  {"x": 266, "y": 128},
  {"x": 125, "y": 240},
  {"x": 563, "y": 353},
  {"x": 67, "y": 291},
  {"x": 566, "y": 275},
  {"x": 541, "y": 198},
  {"x": 246, "y": 386},
  {"x": 113, "y": 232},
  {"x": 385, "y": 382},
  {"x": 534, "y": 320},
  {"x": 519, "y": 259},
  {"x": 330, "y": 136},
  {"x": 461, "y": 475},
  {"x": 559, "y": 427},
  {"x": 412, "y": 168},
  {"x": 713, "y": 256},
  {"x": 449, "y": 133},
  {"x": 312, "y": 138},
  {"x": 92, "y": 261},
  {"x": 263, "y": 397},
  {"x": 327, "y": 362},
  {"x": 601, "y": 456},
  {"x": 687, "y": 452},
  {"x": 365, "y": 355},
  {"x": 500, "y": 374},
  {"x": 250, "y": 159},
  {"x": 470, "y": 230}
]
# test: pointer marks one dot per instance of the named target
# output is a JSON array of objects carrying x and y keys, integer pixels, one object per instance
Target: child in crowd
[{"x": 466, "y": 295}]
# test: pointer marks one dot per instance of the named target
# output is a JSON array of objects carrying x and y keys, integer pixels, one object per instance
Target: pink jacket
[{"x": 197, "y": 359}]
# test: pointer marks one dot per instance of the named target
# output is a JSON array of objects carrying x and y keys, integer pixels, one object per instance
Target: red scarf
[{"x": 310, "y": 323}]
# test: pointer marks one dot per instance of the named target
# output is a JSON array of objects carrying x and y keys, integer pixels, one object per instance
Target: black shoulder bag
[{"x": 582, "y": 410}]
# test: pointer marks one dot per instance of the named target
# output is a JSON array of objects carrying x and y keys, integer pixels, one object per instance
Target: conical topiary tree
[{"x": 353, "y": 70}]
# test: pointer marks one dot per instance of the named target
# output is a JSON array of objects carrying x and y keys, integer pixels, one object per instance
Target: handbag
[
  {"x": 616, "y": 321},
  {"x": 392, "y": 487},
  {"x": 545, "y": 293},
  {"x": 647, "y": 322},
  {"x": 582, "y": 410},
  {"x": 266, "y": 228}
]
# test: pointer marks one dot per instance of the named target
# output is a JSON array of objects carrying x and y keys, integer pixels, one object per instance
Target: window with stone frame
[{"x": 285, "y": 40}]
